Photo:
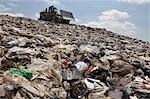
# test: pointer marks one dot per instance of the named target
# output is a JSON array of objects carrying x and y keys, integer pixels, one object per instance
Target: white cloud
[
  {"x": 13, "y": 14},
  {"x": 135, "y": 1},
  {"x": 113, "y": 20},
  {"x": 52, "y": 2},
  {"x": 76, "y": 21},
  {"x": 113, "y": 15},
  {"x": 49, "y": 2},
  {"x": 4, "y": 8},
  {"x": 11, "y": 4},
  {"x": 36, "y": 16}
]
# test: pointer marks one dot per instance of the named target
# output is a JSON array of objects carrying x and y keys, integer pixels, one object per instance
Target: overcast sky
[{"x": 126, "y": 17}]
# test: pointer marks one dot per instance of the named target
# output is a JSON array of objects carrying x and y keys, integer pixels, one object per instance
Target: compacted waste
[{"x": 44, "y": 60}]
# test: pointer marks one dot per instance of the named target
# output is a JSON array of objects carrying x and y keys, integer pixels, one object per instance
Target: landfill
[{"x": 44, "y": 60}]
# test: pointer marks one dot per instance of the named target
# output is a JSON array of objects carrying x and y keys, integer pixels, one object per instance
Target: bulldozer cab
[
  {"x": 52, "y": 9},
  {"x": 52, "y": 14}
]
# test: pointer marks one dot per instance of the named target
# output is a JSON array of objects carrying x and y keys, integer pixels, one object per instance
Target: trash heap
[{"x": 43, "y": 60}]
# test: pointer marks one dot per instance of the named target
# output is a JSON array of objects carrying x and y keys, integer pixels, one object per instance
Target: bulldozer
[{"x": 52, "y": 14}]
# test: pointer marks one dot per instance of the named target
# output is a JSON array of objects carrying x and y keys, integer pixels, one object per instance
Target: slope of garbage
[{"x": 43, "y": 60}]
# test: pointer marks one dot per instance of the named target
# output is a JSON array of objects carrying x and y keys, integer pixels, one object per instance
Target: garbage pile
[{"x": 43, "y": 60}]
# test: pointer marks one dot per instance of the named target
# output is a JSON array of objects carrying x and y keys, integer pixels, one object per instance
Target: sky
[{"x": 125, "y": 17}]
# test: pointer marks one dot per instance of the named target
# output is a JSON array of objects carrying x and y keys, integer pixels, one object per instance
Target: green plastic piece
[{"x": 22, "y": 72}]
